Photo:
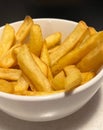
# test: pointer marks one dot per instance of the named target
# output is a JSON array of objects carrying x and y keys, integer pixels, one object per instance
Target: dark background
[{"x": 88, "y": 10}]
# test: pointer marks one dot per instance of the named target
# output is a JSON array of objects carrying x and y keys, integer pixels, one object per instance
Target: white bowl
[{"x": 56, "y": 106}]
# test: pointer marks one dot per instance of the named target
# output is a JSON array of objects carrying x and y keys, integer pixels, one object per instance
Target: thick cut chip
[
  {"x": 6, "y": 86},
  {"x": 73, "y": 78},
  {"x": 43, "y": 67},
  {"x": 35, "y": 39},
  {"x": 86, "y": 76},
  {"x": 59, "y": 81},
  {"x": 53, "y": 39},
  {"x": 89, "y": 32},
  {"x": 92, "y": 61},
  {"x": 50, "y": 76},
  {"x": 92, "y": 30},
  {"x": 77, "y": 54},
  {"x": 7, "y": 39},
  {"x": 69, "y": 43},
  {"x": 24, "y": 29},
  {"x": 32, "y": 71},
  {"x": 45, "y": 54},
  {"x": 29, "y": 82},
  {"x": 21, "y": 85},
  {"x": 53, "y": 49},
  {"x": 46, "y": 59},
  {"x": 9, "y": 59},
  {"x": 10, "y": 74}
]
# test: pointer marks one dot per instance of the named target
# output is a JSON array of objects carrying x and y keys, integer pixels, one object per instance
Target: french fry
[
  {"x": 45, "y": 55},
  {"x": 50, "y": 77},
  {"x": 32, "y": 71},
  {"x": 86, "y": 76},
  {"x": 53, "y": 49},
  {"x": 21, "y": 85},
  {"x": 29, "y": 82},
  {"x": 10, "y": 74},
  {"x": 46, "y": 59},
  {"x": 77, "y": 54},
  {"x": 59, "y": 81},
  {"x": 92, "y": 30},
  {"x": 35, "y": 39},
  {"x": 9, "y": 60},
  {"x": 89, "y": 32},
  {"x": 41, "y": 64},
  {"x": 73, "y": 77},
  {"x": 92, "y": 61},
  {"x": 7, "y": 39},
  {"x": 24, "y": 29},
  {"x": 53, "y": 39},
  {"x": 70, "y": 42},
  {"x": 6, "y": 86}
]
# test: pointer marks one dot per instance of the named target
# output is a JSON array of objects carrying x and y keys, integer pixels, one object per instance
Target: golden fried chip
[
  {"x": 73, "y": 77},
  {"x": 92, "y": 61},
  {"x": 35, "y": 39},
  {"x": 41, "y": 64},
  {"x": 10, "y": 74},
  {"x": 86, "y": 76},
  {"x": 24, "y": 29},
  {"x": 89, "y": 32},
  {"x": 32, "y": 71},
  {"x": 45, "y": 54},
  {"x": 7, "y": 39},
  {"x": 8, "y": 59},
  {"x": 21, "y": 85},
  {"x": 53, "y": 49},
  {"x": 59, "y": 81},
  {"x": 6, "y": 86},
  {"x": 53, "y": 39}
]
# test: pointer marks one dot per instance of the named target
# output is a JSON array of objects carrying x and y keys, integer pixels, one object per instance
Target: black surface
[{"x": 89, "y": 11}]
